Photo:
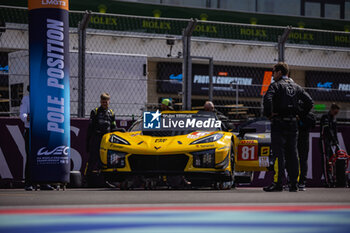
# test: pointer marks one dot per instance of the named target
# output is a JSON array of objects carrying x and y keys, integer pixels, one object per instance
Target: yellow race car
[
  {"x": 162, "y": 145},
  {"x": 187, "y": 144},
  {"x": 252, "y": 149}
]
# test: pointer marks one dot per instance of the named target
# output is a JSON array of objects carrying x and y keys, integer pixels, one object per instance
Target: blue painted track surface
[{"x": 187, "y": 218}]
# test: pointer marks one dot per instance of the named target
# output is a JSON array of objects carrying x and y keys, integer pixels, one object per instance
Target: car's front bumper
[{"x": 199, "y": 175}]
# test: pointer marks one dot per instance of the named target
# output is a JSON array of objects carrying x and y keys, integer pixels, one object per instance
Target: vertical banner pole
[
  {"x": 187, "y": 65},
  {"x": 49, "y": 91},
  {"x": 211, "y": 72}
]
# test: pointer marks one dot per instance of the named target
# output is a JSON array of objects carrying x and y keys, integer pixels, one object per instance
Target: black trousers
[
  {"x": 327, "y": 152},
  {"x": 284, "y": 146},
  {"x": 27, "y": 172},
  {"x": 303, "y": 152},
  {"x": 94, "y": 153}
]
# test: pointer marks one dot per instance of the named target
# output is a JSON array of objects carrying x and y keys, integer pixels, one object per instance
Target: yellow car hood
[{"x": 145, "y": 144}]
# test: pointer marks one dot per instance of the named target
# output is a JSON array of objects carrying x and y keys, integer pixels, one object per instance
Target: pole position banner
[{"x": 49, "y": 90}]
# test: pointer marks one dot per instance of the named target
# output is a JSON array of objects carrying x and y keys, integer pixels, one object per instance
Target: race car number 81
[{"x": 247, "y": 152}]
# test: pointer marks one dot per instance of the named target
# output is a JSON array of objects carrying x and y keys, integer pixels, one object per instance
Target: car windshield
[
  {"x": 262, "y": 125},
  {"x": 178, "y": 123},
  {"x": 137, "y": 126}
]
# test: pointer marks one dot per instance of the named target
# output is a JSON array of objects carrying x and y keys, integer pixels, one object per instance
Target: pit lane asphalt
[{"x": 106, "y": 196}]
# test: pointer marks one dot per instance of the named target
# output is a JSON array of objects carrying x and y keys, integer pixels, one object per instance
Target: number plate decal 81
[{"x": 247, "y": 152}]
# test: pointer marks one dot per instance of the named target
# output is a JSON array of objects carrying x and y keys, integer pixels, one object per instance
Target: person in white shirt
[
  {"x": 24, "y": 111},
  {"x": 25, "y": 117}
]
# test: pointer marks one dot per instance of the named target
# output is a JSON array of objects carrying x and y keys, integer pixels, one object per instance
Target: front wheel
[{"x": 223, "y": 185}]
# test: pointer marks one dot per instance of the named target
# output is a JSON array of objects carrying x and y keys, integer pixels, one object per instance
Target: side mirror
[{"x": 243, "y": 131}]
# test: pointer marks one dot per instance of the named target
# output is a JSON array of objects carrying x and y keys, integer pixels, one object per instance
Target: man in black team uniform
[
  {"x": 102, "y": 121},
  {"x": 305, "y": 124},
  {"x": 329, "y": 139},
  {"x": 281, "y": 105}
]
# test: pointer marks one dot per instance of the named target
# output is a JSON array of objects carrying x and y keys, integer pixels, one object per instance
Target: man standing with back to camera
[{"x": 281, "y": 106}]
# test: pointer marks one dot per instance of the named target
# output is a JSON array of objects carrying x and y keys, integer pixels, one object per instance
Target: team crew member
[
  {"x": 102, "y": 121},
  {"x": 209, "y": 107},
  {"x": 166, "y": 105},
  {"x": 281, "y": 105},
  {"x": 305, "y": 124},
  {"x": 24, "y": 110},
  {"x": 329, "y": 139},
  {"x": 24, "y": 113}
]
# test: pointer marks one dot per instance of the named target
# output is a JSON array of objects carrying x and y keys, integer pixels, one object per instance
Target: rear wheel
[{"x": 243, "y": 177}]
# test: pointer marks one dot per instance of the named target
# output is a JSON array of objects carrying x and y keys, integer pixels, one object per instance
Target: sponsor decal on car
[
  {"x": 196, "y": 135},
  {"x": 160, "y": 140},
  {"x": 205, "y": 146},
  {"x": 264, "y": 161},
  {"x": 265, "y": 151},
  {"x": 247, "y": 150},
  {"x": 244, "y": 142}
]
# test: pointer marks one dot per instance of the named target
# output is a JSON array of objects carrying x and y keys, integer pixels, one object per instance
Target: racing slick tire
[{"x": 244, "y": 177}]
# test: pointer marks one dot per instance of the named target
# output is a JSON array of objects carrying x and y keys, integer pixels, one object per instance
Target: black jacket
[
  {"x": 328, "y": 128},
  {"x": 307, "y": 122},
  {"x": 101, "y": 121},
  {"x": 283, "y": 98}
]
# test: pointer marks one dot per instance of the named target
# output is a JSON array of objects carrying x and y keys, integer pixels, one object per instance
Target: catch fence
[{"x": 139, "y": 61}]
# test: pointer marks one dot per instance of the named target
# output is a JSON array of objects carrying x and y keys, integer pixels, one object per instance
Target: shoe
[
  {"x": 301, "y": 187},
  {"x": 293, "y": 188},
  {"x": 329, "y": 185},
  {"x": 110, "y": 185},
  {"x": 274, "y": 187},
  {"x": 28, "y": 188},
  {"x": 46, "y": 187},
  {"x": 186, "y": 182}
]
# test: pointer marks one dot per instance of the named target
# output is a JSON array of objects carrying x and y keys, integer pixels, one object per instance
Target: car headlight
[
  {"x": 211, "y": 138},
  {"x": 115, "y": 159},
  {"x": 115, "y": 139},
  {"x": 204, "y": 159}
]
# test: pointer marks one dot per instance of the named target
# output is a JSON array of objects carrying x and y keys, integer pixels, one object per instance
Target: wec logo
[
  {"x": 151, "y": 120},
  {"x": 326, "y": 85},
  {"x": 53, "y": 2},
  {"x": 57, "y": 151}
]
